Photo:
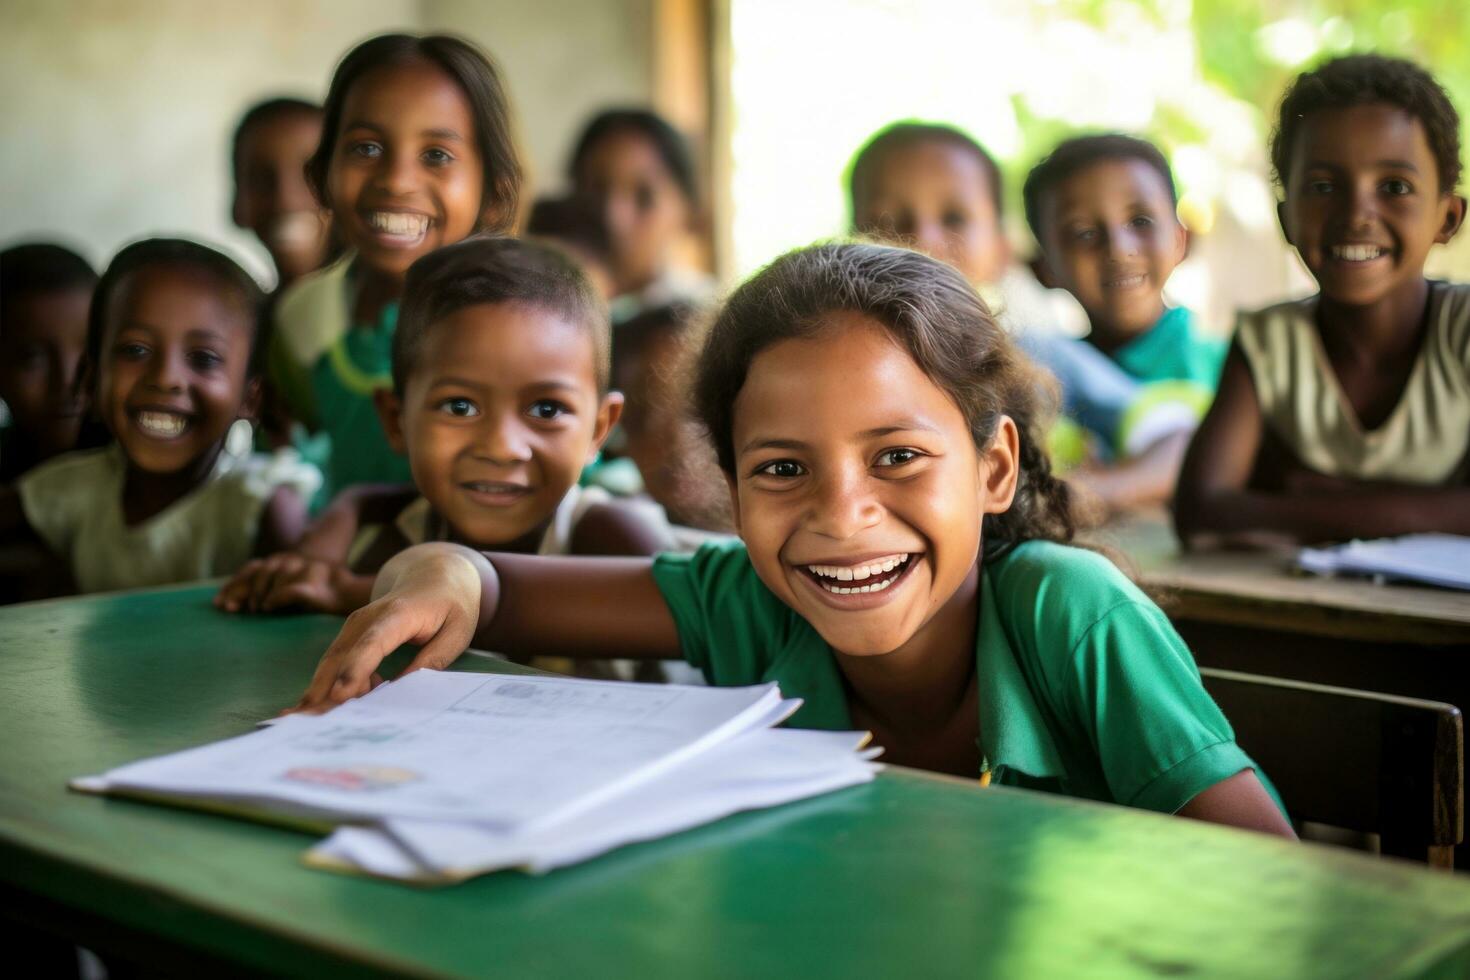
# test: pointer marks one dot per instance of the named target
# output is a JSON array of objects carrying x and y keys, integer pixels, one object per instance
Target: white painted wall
[{"x": 115, "y": 115}]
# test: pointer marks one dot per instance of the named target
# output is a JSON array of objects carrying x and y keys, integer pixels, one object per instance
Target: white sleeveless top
[{"x": 1424, "y": 440}]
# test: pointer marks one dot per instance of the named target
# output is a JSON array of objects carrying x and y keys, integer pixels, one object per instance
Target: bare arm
[
  {"x": 617, "y": 529},
  {"x": 1239, "y": 801},
  {"x": 1215, "y": 499},
  {"x": 282, "y": 522},
  {"x": 1140, "y": 481},
  {"x": 444, "y": 596}
]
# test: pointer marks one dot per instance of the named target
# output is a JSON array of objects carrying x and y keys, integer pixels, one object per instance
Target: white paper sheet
[
  {"x": 1434, "y": 559},
  {"x": 509, "y": 752},
  {"x": 758, "y": 769}
]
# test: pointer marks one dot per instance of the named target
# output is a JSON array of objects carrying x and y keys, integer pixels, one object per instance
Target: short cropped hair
[
  {"x": 666, "y": 141},
  {"x": 899, "y": 135},
  {"x": 259, "y": 113},
  {"x": 1077, "y": 154},
  {"x": 31, "y": 268},
  {"x": 488, "y": 269},
  {"x": 1363, "y": 79},
  {"x": 572, "y": 220}
]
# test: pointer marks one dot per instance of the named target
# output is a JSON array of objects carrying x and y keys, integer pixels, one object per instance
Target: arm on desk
[
  {"x": 1239, "y": 801},
  {"x": 1139, "y": 481},
  {"x": 1215, "y": 501},
  {"x": 443, "y": 596},
  {"x": 314, "y": 574}
]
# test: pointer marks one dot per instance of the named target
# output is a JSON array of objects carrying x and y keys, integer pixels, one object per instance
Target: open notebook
[
  {"x": 1431, "y": 559},
  {"x": 439, "y": 776}
]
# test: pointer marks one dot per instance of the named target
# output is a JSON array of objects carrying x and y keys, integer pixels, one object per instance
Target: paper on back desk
[
  {"x": 510, "y": 751},
  {"x": 761, "y": 768},
  {"x": 1437, "y": 559}
]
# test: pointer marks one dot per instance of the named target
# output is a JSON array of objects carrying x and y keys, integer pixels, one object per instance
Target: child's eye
[
  {"x": 784, "y": 469},
  {"x": 460, "y": 408},
  {"x": 436, "y": 157},
  {"x": 897, "y": 457},
  {"x": 204, "y": 360},
  {"x": 1320, "y": 186},
  {"x": 1141, "y": 221},
  {"x": 366, "y": 149},
  {"x": 1398, "y": 187},
  {"x": 546, "y": 410},
  {"x": 955, "y": 220},
  {"x": 1084, "y": 234},
  {"x": 131, "y": 351}
]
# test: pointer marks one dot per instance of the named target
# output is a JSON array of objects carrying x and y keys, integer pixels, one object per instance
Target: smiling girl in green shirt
[{"x": 902, "y": 565}]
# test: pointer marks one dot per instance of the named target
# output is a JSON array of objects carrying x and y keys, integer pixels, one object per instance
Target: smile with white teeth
[
  {"x": 1126, "y": 282},
  {"x": 883, "y": 572},
  {"x": 167, "y": 425},
  {"x": 1357, "y": 253},
  {"x": 399, "y": 224}
]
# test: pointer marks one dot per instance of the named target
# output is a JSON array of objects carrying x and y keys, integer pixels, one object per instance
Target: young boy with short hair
[{"x": 1347, "y": 414}]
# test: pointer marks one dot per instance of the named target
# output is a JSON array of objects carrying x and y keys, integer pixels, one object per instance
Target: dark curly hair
[
  {"x": 1363, "y": 79},
  {"x": 1080, "y": 152},
  {"x": 942, "y": 323},
  {"x": 475, "y": 75}
]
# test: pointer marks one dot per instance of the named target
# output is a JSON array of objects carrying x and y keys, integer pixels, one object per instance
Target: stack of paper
[
  {"x": 441, "y": 776},
  {"x": 1433, "y": 559}
]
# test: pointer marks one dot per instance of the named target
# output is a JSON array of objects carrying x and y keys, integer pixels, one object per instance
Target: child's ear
[
  {"x": 608, "y": 414},
  {"x": 1454, "y": 217},
  {"x": 1186, "y": 240},
  {"x": 390, "y": 415},
  {"x": 734, "y": 500},
  {"x": 1281, "y": 220},
  {"x": 1041, "y": 269},
  {"x": 250, "y": 404},
  {"x": 1000, "y": 467}
]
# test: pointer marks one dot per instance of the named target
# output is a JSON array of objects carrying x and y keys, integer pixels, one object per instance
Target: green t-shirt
[
  {"x": 1173, "y": 350},
  {"x": 1083, "y": 686},
  {"x": 343, "y": 380}
]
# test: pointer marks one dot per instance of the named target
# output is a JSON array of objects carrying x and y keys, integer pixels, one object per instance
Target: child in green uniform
[
  {"x": 903, "y": 565},
  {"x": 415, "y": 154}
]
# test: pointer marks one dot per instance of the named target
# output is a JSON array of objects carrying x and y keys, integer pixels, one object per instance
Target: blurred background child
[
  {"x": 1347, "y": 414},
  {"x": 172, "y": 353},
  {"x": 45, "y": 291},
  {"x": 416, "y": 153},
  {"x": 637, "y": 170},
  {"x": 272, "y": 199}
]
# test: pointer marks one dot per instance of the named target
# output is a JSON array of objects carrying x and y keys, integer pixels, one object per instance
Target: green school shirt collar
[
  {"x": 1157, "y": 344},
  {"x": 1013, "y": 731}
]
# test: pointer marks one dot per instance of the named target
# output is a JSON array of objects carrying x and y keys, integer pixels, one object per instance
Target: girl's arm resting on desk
[
  {"x": 1239, "y": 801},
  {"x": 1214, "y": 499},
  {"x": 1139, "y": 481},
  {"x": 443, "y": 596}
]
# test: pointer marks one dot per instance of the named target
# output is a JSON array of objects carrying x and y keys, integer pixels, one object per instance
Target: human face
[
  {"x": 854, "y": 470},
  {"x": 173, "y": 374},
  {"x": 272, "y": 198},
  {"x": 644, "y": 208},
  {"x": 406, "y": 175},
  {"x": 41, "y": 345},
  {"x": 936, "y": 197},
  {"x": 1363, "y": 202},
  {"x": 498, "y": 418},
  {"x": 1111, "y": 239}
]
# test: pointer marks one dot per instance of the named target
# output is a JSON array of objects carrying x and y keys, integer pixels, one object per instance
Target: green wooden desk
[{"x": 908, "y": 876}]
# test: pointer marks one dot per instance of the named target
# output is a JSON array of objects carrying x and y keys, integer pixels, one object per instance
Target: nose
[
  {"x": 1122, "y": 242},
  {"x": 930, "y": 238},
  {"x": 396, "y": 172},
  {"x": 501, "y": 439},
  {"x": 620, "y": 213},
  {"x": 843, "y": 503},
  {"x": 166, "y": 372},
  {"x": 1363, "y": 208}
]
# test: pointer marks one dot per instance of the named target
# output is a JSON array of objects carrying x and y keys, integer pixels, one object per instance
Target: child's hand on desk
[
  {"x": 429, "y": 595},
  {"x": 287, "y": 580}
]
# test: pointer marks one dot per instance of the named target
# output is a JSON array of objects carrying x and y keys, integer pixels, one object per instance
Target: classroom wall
[{"x": 115, "y": 115}]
